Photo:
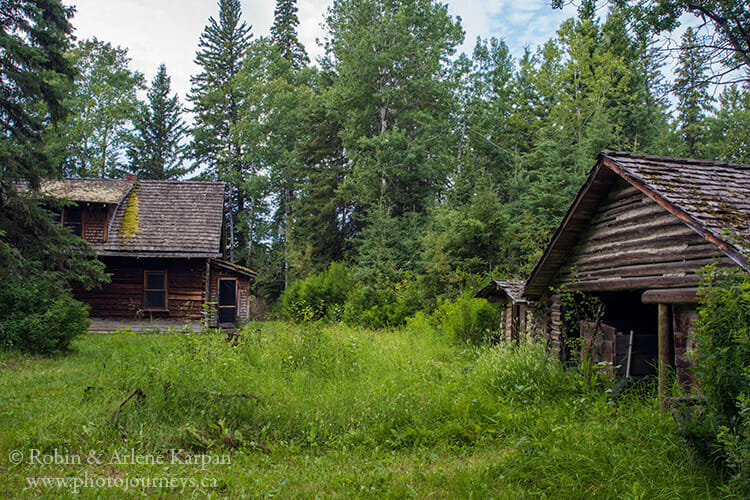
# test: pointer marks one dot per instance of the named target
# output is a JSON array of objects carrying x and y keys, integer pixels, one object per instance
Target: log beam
[{"x": 671, "y": 296}]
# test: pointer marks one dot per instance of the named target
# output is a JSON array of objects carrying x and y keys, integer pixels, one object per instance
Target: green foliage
[
  {"x": 35, "y": 78},
  {"x": 718, "y": 427},
  {"x": 694, "y": 101},
  {"x": 103, "y": 104},
  {"x": 35, "y": 318},
  {"x": 318, "y": 296},
  {"x": 284, "y": 34},
  {"x": 730, "y": 128},
  {"x": 469, "y": 320},
  {"x": 382, "y": 306},
  {"x": 157, "y": 150}
]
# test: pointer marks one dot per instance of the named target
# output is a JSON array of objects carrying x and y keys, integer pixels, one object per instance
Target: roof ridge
[{"x": 671, "y": 159}]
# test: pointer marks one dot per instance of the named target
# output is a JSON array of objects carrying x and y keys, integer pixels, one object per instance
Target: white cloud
[{"x": 167, "y": 31}]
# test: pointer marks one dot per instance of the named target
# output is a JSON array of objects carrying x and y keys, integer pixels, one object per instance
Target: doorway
[{"x": 227, "y": 300}]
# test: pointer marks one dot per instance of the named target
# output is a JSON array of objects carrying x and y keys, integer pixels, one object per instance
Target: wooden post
[{"x": 663, "y": 352}]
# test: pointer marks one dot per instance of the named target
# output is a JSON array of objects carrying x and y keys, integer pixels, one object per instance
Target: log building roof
[
  {"x": 154, "y": 218},
  {"x": 711, "y": 198}
]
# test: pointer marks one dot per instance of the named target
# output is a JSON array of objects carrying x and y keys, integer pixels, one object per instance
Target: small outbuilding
[
  {"x": 637, "y": 236},
  {"x": 161, "y": 242},
  {"x": 507, "y": 294}
]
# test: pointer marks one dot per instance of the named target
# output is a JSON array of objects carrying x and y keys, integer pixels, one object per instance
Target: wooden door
[{"x": 227, "y": 300}]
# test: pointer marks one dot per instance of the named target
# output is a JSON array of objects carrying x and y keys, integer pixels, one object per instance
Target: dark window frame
[
  {"x": 80, "y": 224},
  {"x": 146, "y": 290}
]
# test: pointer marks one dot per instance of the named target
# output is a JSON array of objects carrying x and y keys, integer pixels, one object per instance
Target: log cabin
[
  {"x": 636, "y": 237},
  {"x": 161, "y": 243},
  {"x": 507, "y": 294}
]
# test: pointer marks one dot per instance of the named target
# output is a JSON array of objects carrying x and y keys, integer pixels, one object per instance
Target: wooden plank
[{"x": 671, "y": 296}]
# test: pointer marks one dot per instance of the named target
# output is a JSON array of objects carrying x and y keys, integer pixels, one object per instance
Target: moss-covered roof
[
  {"x": 712, "y": 198},
  {"x": 109, "y": 191},
  {"x": 168, "y": 218}
]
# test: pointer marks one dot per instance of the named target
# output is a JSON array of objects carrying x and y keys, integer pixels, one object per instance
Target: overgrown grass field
[{"x": 331, "y": 411}]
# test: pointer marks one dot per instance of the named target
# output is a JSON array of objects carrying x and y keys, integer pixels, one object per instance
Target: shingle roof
[
  {"x": 714, "y": 194},
  {"x": 712, "y": 198},
  {"x": 110, "y": 191},
  {"x": 511, "y": 288},
  {"x": 168, "y": 218}
]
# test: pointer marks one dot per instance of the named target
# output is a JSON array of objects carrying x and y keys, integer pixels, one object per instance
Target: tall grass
[{"x": 338, "y": 411}]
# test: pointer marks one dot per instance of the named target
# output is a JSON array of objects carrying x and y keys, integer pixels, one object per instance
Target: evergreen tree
[
  {"x": 38, "y": 259},
  {"x": 216, "y": 103},
  {"x": 102, "y": 105},
  {"x": 693, "y": 99},
  {"x": 157, "y": 149},
  {"x": 284, "y": 34},
  {"x": 730, "y": 129}
]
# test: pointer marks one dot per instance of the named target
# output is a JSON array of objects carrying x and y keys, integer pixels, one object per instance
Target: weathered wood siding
[
  {"x": 123, "y": 296},
  {"x": 243, "y": 292},
  {"x": 634, "y": 244}
]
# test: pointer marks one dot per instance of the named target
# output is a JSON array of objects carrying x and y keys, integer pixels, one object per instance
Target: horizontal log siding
[
  {"x": 123, "y": 296},
  {"x": 632, "y": 243}
]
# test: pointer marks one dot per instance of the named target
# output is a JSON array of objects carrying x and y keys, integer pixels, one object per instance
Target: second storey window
[
  {"x": 72, "y": 217},
  {"x": 155, "y": 290}
]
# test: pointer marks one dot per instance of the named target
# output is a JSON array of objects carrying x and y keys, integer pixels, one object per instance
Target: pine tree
[
  {"x": 216, "y": 103},
  {"x": 693, "y": 99},
  {"x": 284, "y": 34},
  {"x": 157, "y": 151}
]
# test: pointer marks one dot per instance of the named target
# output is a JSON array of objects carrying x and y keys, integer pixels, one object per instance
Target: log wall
[
  {"x": 123, "y": 296},
  {"x": 635, "y": 244}
]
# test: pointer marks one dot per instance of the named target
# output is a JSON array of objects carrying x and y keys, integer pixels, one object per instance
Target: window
[
  {"x": 155, "y": 290},
  {"x": 73, "y": 218}
]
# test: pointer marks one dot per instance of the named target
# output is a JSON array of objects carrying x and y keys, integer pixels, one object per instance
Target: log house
[{"x": 161, "y": 244}]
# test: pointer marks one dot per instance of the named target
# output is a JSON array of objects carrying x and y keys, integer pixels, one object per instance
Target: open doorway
[{"x": 625, "y": 312}]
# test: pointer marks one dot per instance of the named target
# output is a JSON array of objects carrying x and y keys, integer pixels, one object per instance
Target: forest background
[{"x": 423, "y": 170}]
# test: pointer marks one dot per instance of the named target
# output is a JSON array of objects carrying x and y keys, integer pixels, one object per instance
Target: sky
[{"x": 167, "y": 31}]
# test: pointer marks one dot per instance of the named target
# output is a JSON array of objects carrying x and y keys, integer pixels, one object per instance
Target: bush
[
  {"x": 722, "y": 367},
  {"x": 36, "y": 319},
  {"x": 318, "y": 296},
  {"x": 377, "y": 307},
  {"x": 470, "y": 319}
]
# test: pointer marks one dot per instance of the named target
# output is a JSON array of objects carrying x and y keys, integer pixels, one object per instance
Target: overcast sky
[{"x": 167, "y": 31}]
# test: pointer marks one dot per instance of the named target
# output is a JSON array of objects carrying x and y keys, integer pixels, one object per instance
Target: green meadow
[{"x": 329, "y": 411}]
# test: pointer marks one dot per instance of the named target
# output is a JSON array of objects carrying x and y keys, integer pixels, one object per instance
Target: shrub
[
  {"x": 377, "y": 307},
  {"x": 721, "y": 367},
  {"x": 36, "y": 319},
  {"x": 318, "y": 296},
  {"x": 470, "y": 319}
]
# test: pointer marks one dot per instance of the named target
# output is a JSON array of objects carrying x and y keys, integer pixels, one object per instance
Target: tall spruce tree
[
  {"x": 693, "y": 99},
  {"x": 38, "y": 259},
  {"x": 157, "y": 149},
  {"x": 216, "y": 103},
  {"x": 284, "y": 34}
]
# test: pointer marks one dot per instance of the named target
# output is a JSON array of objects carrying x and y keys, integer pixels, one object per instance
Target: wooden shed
[
  {"x": 636, "y": 236},
  {"x": 161, "y": 243},
  {"x": 507, "y": 294}
]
